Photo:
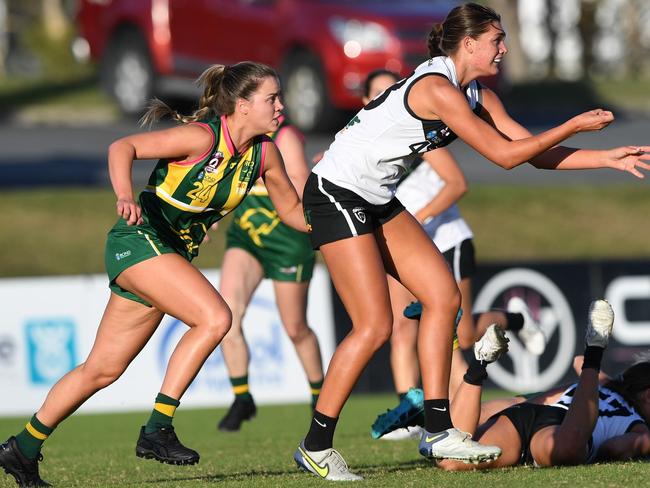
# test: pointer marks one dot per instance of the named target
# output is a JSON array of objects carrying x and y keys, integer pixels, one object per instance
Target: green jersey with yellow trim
[{"x": 183, "y": 199}]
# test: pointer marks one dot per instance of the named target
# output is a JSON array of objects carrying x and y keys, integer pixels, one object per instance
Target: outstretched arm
[
  {"x": 281, "y": 191},
  {"x": 633, "y": 444},
  {"x": 626, "y": 158},
  {"x": 455, "y": 187},
  {"x": 435, "y": 97}
]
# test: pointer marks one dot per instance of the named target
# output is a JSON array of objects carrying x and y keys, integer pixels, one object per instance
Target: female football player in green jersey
[
  {"x": 259, "y": 246},
  {"x": 206, "y": 167}
]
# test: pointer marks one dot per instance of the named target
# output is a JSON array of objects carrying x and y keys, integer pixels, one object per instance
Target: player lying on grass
[{"x": 590, "y": 422}]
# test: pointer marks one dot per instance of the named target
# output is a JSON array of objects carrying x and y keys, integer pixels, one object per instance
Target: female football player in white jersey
[
  {"x": 363, "y": 232},
  {"x": 584, "y": 423},
  {"x": 430, "y": 192}
]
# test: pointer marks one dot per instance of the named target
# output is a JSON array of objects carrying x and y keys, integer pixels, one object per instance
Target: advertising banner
[
  {"x": 48, "y": 326},
  {"x": 558, "y": 295}
]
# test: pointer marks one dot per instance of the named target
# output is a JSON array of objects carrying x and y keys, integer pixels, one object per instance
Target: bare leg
[
  {"x": 465, "y": 411},
  {"x": 413, "y": 259},
  {"x": 291, "y": 300},
  {"x": 472, "y": 326},
  {"x": 177, "y": 288},
  {"x": 403, "y": 342},
  {"x": 458, "y": 368},
  {"x": 356, "y": 269},
  {"x": 173, "y": 286},
  {"x": 125, "y": 328},
  {"x": 241, "y": 274},
  {"x": 567, "y": 444},
  {"x": 466, "y": 407},
  {"x": 499, "y": 432}
]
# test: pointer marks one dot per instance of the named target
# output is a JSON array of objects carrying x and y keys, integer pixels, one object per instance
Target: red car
[{"x": 322, "y": 48}]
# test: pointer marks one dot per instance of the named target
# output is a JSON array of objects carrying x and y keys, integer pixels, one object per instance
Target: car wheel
[
  {"x": 127, "y": 73},
  {"x": 305, "y": 94}
]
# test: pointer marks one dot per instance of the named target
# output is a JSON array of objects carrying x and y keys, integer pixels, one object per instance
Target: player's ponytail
[
  {"x": 222, "y": 87},
  {"x": 470, "y": 20}
]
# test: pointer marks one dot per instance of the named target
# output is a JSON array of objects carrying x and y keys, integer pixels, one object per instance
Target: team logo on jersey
[
  {"x": 359, "y": 214},
  {"x": 437, "y": 137},
  {"x": 214, "y": 162}
]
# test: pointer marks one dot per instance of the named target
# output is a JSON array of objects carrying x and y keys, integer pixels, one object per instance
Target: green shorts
[
  {"x": 284, "y": 253},
  {"x": 127, "y": 245}
]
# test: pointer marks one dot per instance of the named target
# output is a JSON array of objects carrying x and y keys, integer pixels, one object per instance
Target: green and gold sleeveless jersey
[
  {"x": 259, "y": 195},
  {"x": 183, "y": 199},
  {"x": 257, "y": 214}
]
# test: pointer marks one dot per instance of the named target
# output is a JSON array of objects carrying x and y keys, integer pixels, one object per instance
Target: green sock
[
  {"x": 240, "y": 387},
  {"x": 315, "y": 387},
  {"x": 162, "y": 413},
  {"x": 32, "y": 437}
]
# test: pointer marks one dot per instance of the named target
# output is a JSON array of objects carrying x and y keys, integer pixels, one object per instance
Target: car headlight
[{"x": 356, "y": 36}]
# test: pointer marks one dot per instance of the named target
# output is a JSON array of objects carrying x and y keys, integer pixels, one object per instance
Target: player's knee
[
  {"x": 217, "y": 325},
  {"x": 103, "y": 375},
  {"x": 375, "y": 334},
  {"x": 403, "y": 333},
  {"x": 298, "y": 331},
  {"x": 444, "y": 305}
]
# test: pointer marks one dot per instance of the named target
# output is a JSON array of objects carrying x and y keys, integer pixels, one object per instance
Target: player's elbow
[{"x": 504, "y": 162}]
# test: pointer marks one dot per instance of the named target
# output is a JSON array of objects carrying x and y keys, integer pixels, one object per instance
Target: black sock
[
  {"x": 514, "y": 321},
  {"x": 593, "y": 357},
  {"x": 436, "y": 415},
  {"x": 321, "y": 432},
  {"x": 476, "y": 373},
  {"x": 401, "y": 395}
]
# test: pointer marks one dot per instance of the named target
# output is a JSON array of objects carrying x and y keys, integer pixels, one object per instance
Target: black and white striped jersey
[
  {"x": 383, "y": 140},
  {"x": 615, "y": 416}
]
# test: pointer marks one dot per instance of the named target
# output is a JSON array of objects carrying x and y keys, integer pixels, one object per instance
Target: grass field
[
  {"x": 62, "y": 231},
  {"x": 98, "y": 451}
]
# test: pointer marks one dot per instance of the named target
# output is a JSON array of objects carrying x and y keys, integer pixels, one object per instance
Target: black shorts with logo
[{"x": 335, "y": 213}]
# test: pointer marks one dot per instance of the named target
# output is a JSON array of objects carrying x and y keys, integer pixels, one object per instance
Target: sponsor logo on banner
[
  {"x": 7, "y": 352},
  {"x": 267, "y": 356},
  {"x": 623, "y": 292},
  {"x": 51, "y": 348},
  {"x": 518, "y": 370}
]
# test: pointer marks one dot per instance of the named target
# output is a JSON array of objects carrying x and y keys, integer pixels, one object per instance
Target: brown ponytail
[
  {"x": 222, "y": 87},
  {"x": 469, "y": 19},
  {"x": 435, "y": 36}
]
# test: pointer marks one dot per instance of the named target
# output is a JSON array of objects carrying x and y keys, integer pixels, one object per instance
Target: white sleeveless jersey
[
  {"x": 447, "y": 229},
  {"x": 385, "y": 138},
  {"x": 615, "y": 416}
]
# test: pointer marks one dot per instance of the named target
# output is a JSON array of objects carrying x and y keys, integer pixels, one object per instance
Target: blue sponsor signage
[{"x": 51, "y": 348}]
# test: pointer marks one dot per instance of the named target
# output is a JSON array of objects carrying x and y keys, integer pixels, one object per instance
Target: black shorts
[
  {"x": 529, "y": 418},
  {"x": 461, "y": 260},
  {"x": 335, "y": 213}
]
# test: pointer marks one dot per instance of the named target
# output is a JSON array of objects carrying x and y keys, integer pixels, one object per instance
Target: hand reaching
[
  {"x": 629, "y": 158},
  {"x": 129, "y": 210},
  {"x": 207, "y": 237},
  {"x": 593, "y": 120}
]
